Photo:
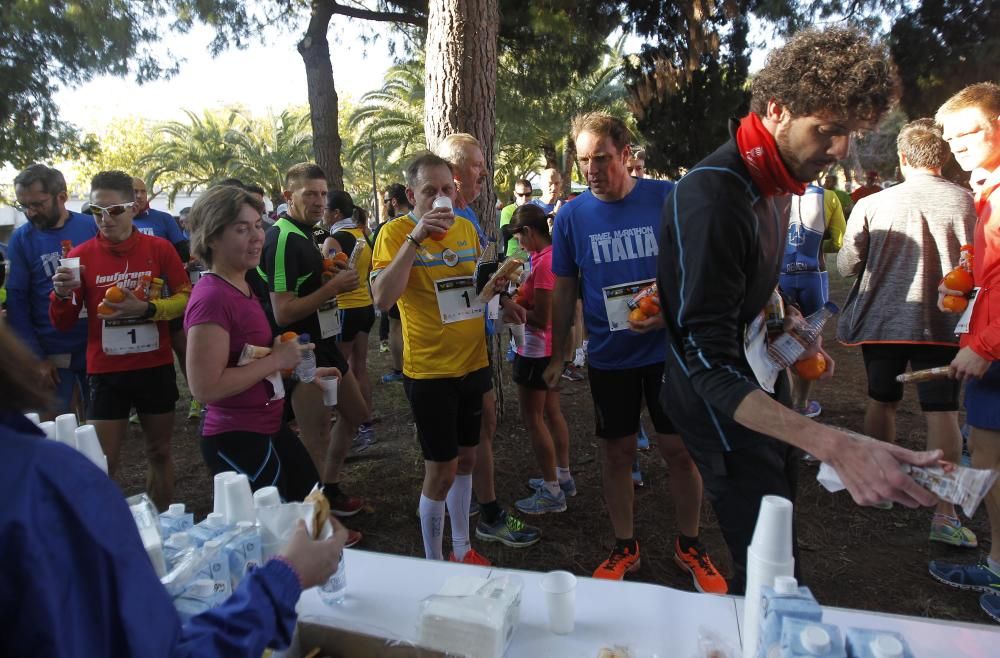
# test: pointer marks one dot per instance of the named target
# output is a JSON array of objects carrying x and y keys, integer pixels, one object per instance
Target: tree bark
[
  {"x": 569, "y": 161},
  {"x": 460, "y": 83},
  {"x": 323, "y": 102},
  {"x": 550, "y": 156}
]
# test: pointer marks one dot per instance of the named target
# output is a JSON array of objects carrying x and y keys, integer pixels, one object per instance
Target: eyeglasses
[
  {"x": 113, "y": 211},
  {"x": 34, "y": 206},
  {"x": 522, "y": 193}
]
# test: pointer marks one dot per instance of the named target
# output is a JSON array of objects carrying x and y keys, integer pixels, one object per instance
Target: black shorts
[
  {"x": 394, "y": 312},
  {"x": 328, "y": 355},
  {"x": 618, "y": 396},
  {"x": 527, "y": 371},
  {"x": 356, "y": 320},
  {"x": 448, "y": 412},
  {"x": 175, "y": 325},
  {"x": 279, "y": 460},
  {"x": 884, "y": 361},
  {"x": 150, "y": 390}
]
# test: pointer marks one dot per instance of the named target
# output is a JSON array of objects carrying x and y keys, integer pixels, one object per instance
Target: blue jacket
[
  {"x": 76, "y": 581},
  {"x": 33, "y": 256},
  {"x": 159, "y": 223}
]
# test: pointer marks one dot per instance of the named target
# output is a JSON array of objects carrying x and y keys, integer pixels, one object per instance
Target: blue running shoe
[
  {"x": 642, "y": 441},
  {"x": 511, "y": 353},
  {"x": 990, "y": 603},
  {"x": 976, "y": 577},
  {"x": 542, "y": 502},
  {"x": 508, "y": 530},
  {"x": 568, "y": 487},
  {"x": 637, "y": 475},
  {"x": 391, "y": 377}
]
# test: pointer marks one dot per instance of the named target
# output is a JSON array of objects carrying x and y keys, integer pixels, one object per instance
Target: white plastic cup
[
  {"x": 219, "y": 491},
  {"x": 239, "y": 500},
  {"x": 769, "y": 556},
  {"x": 33, "y": 417},
  {"x": 49, "y": 428},
  {"x": 772, "y": 536},
  {"x": 329, "y": 384},
  {"x": 560, "y": 599},
  {"x": 442, "y": 202},
  {"x": 65, "y": 429},
  {"x": 74, "y": 266},
  {"x": 517, "y": 331},
  {"x": 88, "y": 443},
  {"x": 266, "y": 497}
]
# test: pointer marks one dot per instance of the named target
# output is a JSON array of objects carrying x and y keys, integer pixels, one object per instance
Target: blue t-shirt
[
  {"x": 612, "y": 248},
  {"x": 34, "y": 256},
  {"x": 159, "y": 223},
  {"x": 549, "y": 208}
]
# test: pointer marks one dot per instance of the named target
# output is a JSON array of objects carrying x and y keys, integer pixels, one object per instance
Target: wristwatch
[{"x": 150, "y": 311}]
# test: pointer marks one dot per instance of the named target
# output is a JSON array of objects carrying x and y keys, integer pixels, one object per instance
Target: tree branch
[{"x": 370, "y": 15}]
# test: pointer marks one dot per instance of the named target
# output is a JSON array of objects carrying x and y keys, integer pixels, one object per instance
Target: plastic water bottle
[
  {"x": 333, "y": 591},
  {"x": 306, "y": 370},
  {"x": 790, "y": 345}
]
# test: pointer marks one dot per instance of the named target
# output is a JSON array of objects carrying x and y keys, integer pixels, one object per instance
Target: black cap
[{"x": 342, "y": 201}]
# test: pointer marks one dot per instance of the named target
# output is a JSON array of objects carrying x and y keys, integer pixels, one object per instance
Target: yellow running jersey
[
  {"x": 362, "y": 295},
  {"x": 443, "y": 321}
]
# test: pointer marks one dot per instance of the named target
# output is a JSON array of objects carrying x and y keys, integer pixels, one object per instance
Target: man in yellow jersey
[{"x": 425, "y": 262}]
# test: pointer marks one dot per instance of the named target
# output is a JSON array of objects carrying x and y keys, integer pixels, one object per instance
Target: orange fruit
[
  {"x": 954, "y": 303},
  {"x": 114, "y": 294},
  {"x": 104, "y": 309},
  {"x": 811, "y": 368},
  {"x": 289, "y": 335},
  {"x": 637, "y": 315},
  {"x": 649, "y": 307},
  {"x": 341, "y": 257},
  {"x": 959, "y": 280}
]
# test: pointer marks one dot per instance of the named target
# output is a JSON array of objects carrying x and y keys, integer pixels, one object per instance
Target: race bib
[
  {"x": 329, "y": 319},
  {"x": 616, "y": 302},
  {"x": 129, "y": 336},
  {"x": 755, "y": 348},
  {"x": 963, "y": 322},
  {"x": 457, "y": 299}
]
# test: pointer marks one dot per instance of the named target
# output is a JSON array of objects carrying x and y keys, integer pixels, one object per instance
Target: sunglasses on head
[{"x": 113, "y": 211}]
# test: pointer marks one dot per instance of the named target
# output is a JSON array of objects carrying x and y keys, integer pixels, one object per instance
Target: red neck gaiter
[
  {"x": 760, "y": 153},
  {"x": 119, "y": 248}
]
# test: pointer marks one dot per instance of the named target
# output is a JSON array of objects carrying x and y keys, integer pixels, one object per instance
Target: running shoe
[
  {"x": 579, "y": 359},
  {"x": 542, "y": 502},
  {"x": 358, "y": 445},
  {"x": 391, "y": 377},
  {"x": 568, "y": 487},
  {"x": 473, "y": 507},
  {"x": 383, "y": 347},
  {"x": 353, "y": 537},
  {"x": 367, "y": 432},
  {"x": 696, "y": 562},
  {"x": 346, "y": 505},
  {"x": 811, "y": 410},
  {"x": 642, "y": 441},
  {"x": 472, "y": 557},
  {"x": 976, "y": 577},
  {"x": 637, "y": 475},
  {"x": 511, "y": 353},
  {"x": 572, "y": 373},
  {"x": 619, "y": 563},
  {"x": 134, "y": 419},
  {"x": 949, "y": 530},
  {"x": 194, "y": 411},
  {"x": 508, "y": 530},
  {"x": 990, "y": 603}
]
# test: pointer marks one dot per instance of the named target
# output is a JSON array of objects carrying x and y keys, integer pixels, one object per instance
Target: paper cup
[
  {"x": 33, "y": 417},
  {"x": 329, "y": 384},
  {"x": 219, "y": 489},
  {"x": 65, "y": 428},
  {"x": 560, "y": 599},
  {"x": 517, "y": 331},
  {"x": 772, "y": 536},
  {"x": 88, "y": 443},
  {"x": 74, "y": 265},
  {"x": 239, "y": 500},
  {"x": 49, "y": 428},
  {"x": 266, "y": 497}
]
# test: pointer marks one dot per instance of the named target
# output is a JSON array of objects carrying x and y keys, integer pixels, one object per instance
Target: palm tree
[{"x": 264, "y": 149}]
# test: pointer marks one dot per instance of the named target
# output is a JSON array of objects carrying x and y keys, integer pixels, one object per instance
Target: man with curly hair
[{"x": 722, "y": 239}]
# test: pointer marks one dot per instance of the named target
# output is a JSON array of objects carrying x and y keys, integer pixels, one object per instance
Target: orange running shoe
[
  {"x": 353, "y": 537},
  {"x": 619, "y": 563},
  {"x": 472, "y": 557},
  {"x": 696, "y": 562}
]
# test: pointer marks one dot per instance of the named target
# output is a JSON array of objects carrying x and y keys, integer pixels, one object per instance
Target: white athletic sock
[
  {"x": 459, "y": 499},
  {"x": 553, "y": 488},
  {"x": 562, "y": 474},
  {"x": 432, "y": 526}
]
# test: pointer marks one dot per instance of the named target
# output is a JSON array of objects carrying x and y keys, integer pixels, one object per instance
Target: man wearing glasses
[
  {"x": 522, "y": 194},
  {"x": 129, "y": 360},
  {"x": 34, "y": 253}
]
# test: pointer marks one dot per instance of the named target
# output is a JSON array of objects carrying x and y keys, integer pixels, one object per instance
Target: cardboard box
[{"x": 341, "y": 643}]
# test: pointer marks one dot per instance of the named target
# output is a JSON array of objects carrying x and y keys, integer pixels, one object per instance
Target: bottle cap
[
  {"x": 213, "y": 544},
  {"x": 815, "y": 640},
  {"x": 886, "y": 646},
  {"x": 786, "y": 585},
  {"x": 215, "y": 519},
  {"x": 303, "y": 338},
  {"x": 176, "y": 509},
  {"x": 244, "y": 525}
]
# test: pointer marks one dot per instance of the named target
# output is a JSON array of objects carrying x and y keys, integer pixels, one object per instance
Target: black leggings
[
  {"x": 383, "y": 327},
  {"x": 278, "y": 460}
]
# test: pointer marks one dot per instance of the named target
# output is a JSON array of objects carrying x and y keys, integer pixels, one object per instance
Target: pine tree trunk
[
  {"x": 460, "y": 83},
  {"x": 323, "y": 103},
  {"x": 569, "y": 161}
]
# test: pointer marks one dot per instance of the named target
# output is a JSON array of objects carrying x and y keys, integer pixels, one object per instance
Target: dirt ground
[{"x": 852, "y": 557}]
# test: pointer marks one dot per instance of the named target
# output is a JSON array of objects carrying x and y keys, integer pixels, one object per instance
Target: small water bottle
[
  {"x": 306, "y": 370},
  {"x": 334, "y": 589}
]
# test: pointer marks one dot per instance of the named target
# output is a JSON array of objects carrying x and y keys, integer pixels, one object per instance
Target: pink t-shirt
[
  {"x": 215, "y": 301},
  {"x": 537, "y": 342}
]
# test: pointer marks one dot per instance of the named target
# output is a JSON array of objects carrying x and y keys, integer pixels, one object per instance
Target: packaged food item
[
  {"x": 789, "y": 347},
  {"x": 155, "y": 288},
  {"x": 507, "y": 269},
  {"x": 866, "y": 643},
  {"x": 810, "y": 639},
  {"x": 175, "y": 519},
  {"x": 786, "y": 600},
  {"x": 251, "y": 353}
]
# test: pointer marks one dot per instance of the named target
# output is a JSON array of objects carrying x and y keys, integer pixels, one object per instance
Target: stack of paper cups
[
  {"x": 33, "y": 417},
  {"x": 239, "y": 501},
  {"x": 89, "y": 444},
  {"x": 768, "y": 556},
  {"x": 266, "y": 497},
  {"x": 49, "y": 428},
  {"x": 65, "y": 429},
  {"x": 219, "y": 482}
]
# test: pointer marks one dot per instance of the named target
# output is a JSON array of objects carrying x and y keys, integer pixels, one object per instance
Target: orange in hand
[
  {"x": 104, "y": 309},
  {"x": 811, "y": 368},
  {"x": 959, "y": 280},
  {"x": 954, "y": 303},
  {"x": 289, "y": 335},
  {"x": 637, "y": 315},
  {"x": 649, "y": 307},
  {"x": 114, "y": 294}
]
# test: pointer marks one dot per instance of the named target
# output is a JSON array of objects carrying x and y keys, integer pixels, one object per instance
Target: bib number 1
[
  {"x": 457, "y": 299},
  {"x": 129, "y": 337}
]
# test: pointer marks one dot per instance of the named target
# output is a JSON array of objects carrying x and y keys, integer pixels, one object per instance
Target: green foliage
[
  {"x": 264, "y": 149},
  {"x": 121, "y": 145}
]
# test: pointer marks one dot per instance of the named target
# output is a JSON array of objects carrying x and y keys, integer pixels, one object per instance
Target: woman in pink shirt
[{"x": 539, "y": 405}]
